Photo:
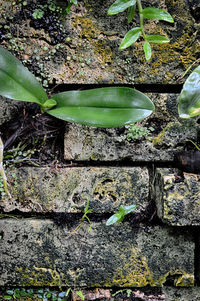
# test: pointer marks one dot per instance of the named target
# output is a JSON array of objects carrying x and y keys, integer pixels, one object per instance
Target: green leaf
[
  {"x": 129, "y": 209},
  {"x": 49, "y": 103},
  {"x": 131, "y": 13},
  {"x": 157, "y": 39},
  {"x": 80, "y": 294},
  {"x": 153, "y": 13},
  {"x": 115, "y": 218},
  {"x": 16, "y": 82},
  {"x": 130, "y": 38},
  {"x": 147, "y": 50},
  {"x": 189, "y": 98},
  {"x": 103, "y": 107},
  {"x": 119, "y": 6}
]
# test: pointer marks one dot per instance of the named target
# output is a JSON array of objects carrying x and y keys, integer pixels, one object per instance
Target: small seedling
[
  {"x": 136, "y": 132},
  {"x": 119, "y": 216},
  {"x": 150, "y": 13},
  {"x": 83, "y": 219}
]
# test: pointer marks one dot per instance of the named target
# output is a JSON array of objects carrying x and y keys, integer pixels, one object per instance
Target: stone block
[
  {"x": 177, "y": 199},
  {"x": 68, "y": 189},
  {"x": 84, "y": 143},
  {"x": 37, "y": 252}
]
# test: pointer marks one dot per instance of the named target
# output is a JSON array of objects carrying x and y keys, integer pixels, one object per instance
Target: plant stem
[{"x": 139, "y": 4}]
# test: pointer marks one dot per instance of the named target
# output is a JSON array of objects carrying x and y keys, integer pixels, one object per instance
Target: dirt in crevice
[{"x": 33, "y": 138}]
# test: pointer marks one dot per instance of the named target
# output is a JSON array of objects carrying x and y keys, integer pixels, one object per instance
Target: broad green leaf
[
  {"x": 130, "y": 38},
  {"x": 16, "y": 82},
  {"x": 119, "y": 6},
  {"x": 147, "y": 50},
  {"x": 131, "y": 13},
  {"x": 189, "y": 98},
  {"x": 153, "y": 13},
  {"x": 115, "y": 218},
  {"x": 103, "y": 107},
  {"x": 157, "y": 39}
]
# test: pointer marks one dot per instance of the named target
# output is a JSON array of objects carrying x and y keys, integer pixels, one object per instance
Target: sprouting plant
[
  {"x": 119, "y": 216},
  {"x": 83, "y": 219},
  {"x": 135, "y": 131},
  {"x": 135, "y": 33}
]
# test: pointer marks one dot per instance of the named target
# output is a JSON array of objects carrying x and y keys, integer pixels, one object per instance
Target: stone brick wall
[{"x": 155, "y": 250}]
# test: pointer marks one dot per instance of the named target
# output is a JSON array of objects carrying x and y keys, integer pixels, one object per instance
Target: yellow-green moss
[
  {"x": 40, "y": 276},
  {"x": 90, "y": 31}
]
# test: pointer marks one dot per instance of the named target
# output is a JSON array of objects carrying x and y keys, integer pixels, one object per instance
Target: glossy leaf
[
  {"x": 131, "y": 13},
  {"x": 119, "y": 6},
  {"x": 114, "y": 219},
  {"x": 119, "y": 216},
  {"x": 189, "y": 98},
  {"x": 16, "y": 82},
  {"x": 154, "y": 13},
  {"x": 147, "y": 50},
  {"x": 103, "y": 107},
  {"x": 157, "y": 39},
  {"x": 129, "y": 209},
  {"x": 130, "y": 38}
]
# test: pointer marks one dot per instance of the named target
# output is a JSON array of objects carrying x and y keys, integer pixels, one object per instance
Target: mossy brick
[
  {"x": 91, "y": 52},
  {"x": 177, "y": 199},
  {"x": 46, "y": 189},
  {"x": 36, "y": 252},
  {"x": 169, "y": 136}
]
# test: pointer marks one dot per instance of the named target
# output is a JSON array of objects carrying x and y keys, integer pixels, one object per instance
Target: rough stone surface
[
  {"x": 39, "y": 253},
  {"x": 8, "y": 108},
  {"x": 91, "y": 52},
  {"x": 178, "y": 200},
  {"x": 181, "y": 294},
  {"x": 69, "y": 189},
  {"x": 169, "y": 136}
]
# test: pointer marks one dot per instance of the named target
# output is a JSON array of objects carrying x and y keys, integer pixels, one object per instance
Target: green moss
[{"x": 40, "y": 276}]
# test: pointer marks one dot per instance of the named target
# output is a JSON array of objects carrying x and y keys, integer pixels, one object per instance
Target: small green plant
[
  {"x": 127, "y": 291},
  {"x": 136, "y": 132},
  {"x": 83, "y": 219},
  {"x": 36, "y": 294},
  {"x": 119, "y": 216},
  {"x": 38, "y": 13},
  {"x": 134, "y": 34}
]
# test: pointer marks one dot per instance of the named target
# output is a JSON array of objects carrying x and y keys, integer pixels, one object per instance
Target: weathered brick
[
  {"x": 178, "y": 202},
  {"x": 169, "y": 136},
  {"x": 69, "y": 189},
  {"x": 37, "y": 252}
]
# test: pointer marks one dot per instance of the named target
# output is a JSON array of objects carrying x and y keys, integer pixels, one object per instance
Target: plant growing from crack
[
  {"x": 103, "y": 107},
  {"x": 150, "y": 13}
]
